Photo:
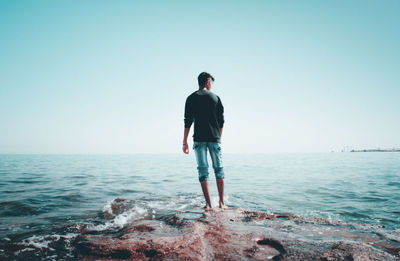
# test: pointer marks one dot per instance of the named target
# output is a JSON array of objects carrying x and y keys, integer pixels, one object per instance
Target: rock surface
[{"x": 238, "y": 234}]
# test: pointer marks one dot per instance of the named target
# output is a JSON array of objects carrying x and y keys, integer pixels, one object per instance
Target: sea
[{"x": 46, "y": 200}]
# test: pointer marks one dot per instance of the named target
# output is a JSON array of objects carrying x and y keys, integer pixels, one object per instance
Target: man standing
[{"x": 206, "y": 110}]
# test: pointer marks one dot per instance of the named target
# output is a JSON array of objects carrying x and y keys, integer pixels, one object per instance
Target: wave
[{"x": 120, "y": 212}]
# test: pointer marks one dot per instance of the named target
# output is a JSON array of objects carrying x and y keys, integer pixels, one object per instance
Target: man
[{"x": 206, "y": 110}]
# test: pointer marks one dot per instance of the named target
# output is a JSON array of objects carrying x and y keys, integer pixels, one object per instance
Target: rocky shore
[{"x": 239, "y": 234}]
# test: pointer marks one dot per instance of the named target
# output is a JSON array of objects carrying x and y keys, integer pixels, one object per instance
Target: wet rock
[
  {"x": 255, "y": 215},
  {"x": 266, "y": 249},
  {"x": 173, "y": 220},
  {"x": 348, "y": 251},
  {"x": 236, "y": 234},
  {"x": 392, "y": 250},
  {"x": 141, "y": 228}
]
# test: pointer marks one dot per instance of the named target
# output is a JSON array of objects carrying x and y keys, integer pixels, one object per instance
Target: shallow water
[{"x": 46, "y": 199}]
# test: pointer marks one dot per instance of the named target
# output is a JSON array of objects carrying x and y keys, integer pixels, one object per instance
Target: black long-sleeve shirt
[{"x": 206, "y": 110}]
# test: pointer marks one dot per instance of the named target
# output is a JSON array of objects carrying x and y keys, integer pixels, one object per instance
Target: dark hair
[{"x": 203, "y": 77}]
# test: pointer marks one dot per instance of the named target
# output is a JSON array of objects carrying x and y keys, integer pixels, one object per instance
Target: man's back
[{"x": 206, "y": 110}]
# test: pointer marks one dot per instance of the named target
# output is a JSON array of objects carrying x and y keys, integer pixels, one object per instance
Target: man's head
[{"x": 205, "y": 80}]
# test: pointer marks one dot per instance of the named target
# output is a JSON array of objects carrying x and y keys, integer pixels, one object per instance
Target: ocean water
[{"x": 47, "y": 199}]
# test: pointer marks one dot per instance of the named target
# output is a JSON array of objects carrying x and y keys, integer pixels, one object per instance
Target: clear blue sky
[{"x": 113, "y": 76}]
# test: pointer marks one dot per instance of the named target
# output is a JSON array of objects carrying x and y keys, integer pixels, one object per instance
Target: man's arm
[
  {"x": 220, "y": 115},
  {"x": 189, "y": 115},
  {"x": 185, "y": 147}
]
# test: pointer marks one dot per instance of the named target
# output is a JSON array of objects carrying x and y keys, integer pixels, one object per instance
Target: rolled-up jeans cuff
[
  {"x": 219, "y": 174},
  {"x": 203, "y": 173},
  {"x": 203, "y": 178}
]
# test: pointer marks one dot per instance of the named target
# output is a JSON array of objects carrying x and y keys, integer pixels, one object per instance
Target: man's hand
[{"x": 185, "y": 149}]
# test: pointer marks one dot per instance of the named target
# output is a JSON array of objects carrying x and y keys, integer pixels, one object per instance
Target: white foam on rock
[
  {"x": 24, "y": 250},
  {"x": 44, "y": 241},
  {"x": 37, "y": 241},
  {"x": 391, "y": 234},
  {"x": 107, "y": 207},
  {"x": 120, "y": 220}
]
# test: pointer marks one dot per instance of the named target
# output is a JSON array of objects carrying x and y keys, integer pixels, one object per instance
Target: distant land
[
  {"x": 351, "y": 149},
  {"x": 377, "y": 150}
]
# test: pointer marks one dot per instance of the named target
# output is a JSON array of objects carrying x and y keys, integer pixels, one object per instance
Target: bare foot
[
  {"x": 206, "y": 207},
  {"x": 222, "y": 205}
]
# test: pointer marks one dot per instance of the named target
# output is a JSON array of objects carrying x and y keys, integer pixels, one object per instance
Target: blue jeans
[{"x": 200, "y": 149}]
